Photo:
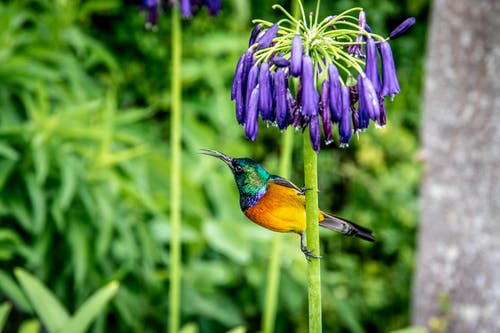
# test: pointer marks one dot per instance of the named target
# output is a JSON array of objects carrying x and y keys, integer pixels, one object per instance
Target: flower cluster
[
  {"x": 188, "y": 8},
  {"x": 317, "y": 74}
]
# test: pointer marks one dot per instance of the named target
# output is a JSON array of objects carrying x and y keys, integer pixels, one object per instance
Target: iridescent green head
[{"x": 251, "y": 178}]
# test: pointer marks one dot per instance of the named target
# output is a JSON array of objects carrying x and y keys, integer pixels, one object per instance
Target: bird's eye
[{"x": 238, "y": 168}]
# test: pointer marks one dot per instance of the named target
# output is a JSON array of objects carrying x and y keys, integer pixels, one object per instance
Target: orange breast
[{"x": 280, "y": 209}]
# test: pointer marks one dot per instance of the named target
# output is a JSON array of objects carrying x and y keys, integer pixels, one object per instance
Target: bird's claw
[
  {"x": 303, "y": 190},
  {"x": 308, "y": 253}
]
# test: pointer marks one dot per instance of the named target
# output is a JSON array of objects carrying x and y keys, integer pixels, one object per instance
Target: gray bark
[{"x": 459, "y": 240}]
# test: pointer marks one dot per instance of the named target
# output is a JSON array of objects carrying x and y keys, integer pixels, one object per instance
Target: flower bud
[
  {"x": 390, "y": 84},
  {"x": 280, "y": 61},
  {"x": 280, "y": 98},
  {"x": 265, "y": 93},
  {"x": 255, "y": 32},
  {"x": 296, "y": 56},
  {"x": 334, "y": 98},
  {"x": 324, "y": 108},
  {"x": 402, "y": 28},
  {"x": 345, "y": 129},
  {"x": 268, "y": 36},
  {"x": 372, "y": 64},
  {"x": 314, "y": 133},
  {"x": 310, "y": 98},
  {"x": 251, "y": 125}
]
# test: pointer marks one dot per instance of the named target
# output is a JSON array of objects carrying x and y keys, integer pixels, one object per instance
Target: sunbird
[{"x": 277, "y": 204}]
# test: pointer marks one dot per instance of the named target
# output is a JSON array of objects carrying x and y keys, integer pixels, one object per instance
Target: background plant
[{"x": 84, "y": 174}]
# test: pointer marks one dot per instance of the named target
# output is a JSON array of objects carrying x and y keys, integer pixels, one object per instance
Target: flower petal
[
  {"x": 310, "y": 96},
  {"x": 268, "y": 36},
  {"x": 402, "y": 28},
  {"x": 252, "y": 117},
  {"x": 372, "y": 64},
  {"x": 296, "y": 56},
  {"x": 335, "y": 93},
  {"x": 345, "y": 129},
  {"x": 390, "y": 84},
  {"x": 265, "y": 93}
]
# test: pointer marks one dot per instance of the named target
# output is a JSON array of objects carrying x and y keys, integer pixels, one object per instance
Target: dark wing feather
[
  {"x": 285, "y": 182},
  {"x": 346, "y": 227}
]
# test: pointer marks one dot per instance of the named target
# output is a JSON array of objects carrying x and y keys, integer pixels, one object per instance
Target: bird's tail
[{"x": 346, "y": 227}]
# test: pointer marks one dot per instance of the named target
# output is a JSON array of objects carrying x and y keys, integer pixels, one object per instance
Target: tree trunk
[{"x": 457, "y": 280}]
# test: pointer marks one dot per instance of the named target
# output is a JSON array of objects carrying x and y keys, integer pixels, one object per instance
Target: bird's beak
[{"x": 219, "y": 155}]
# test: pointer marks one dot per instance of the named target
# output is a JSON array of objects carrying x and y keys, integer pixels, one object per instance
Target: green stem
[
  {"x": 314, "y": 281},
  {"x": 175, "y": 174},
  {"x": 273, "y": 275}
]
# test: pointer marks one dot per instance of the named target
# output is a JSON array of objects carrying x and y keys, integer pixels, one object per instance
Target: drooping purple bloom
[
  {"x": 255, "y": 33},
  {"x": 213, "y": 6},
  {"x": 280, "y": 98},
  {"x": 362, "y": 19},
  {"x": 314, "y": 133},
  {"x": 363, "y": 116},
  {"x": 152, "y": 9},
  {"x": 372, "y": 64},
  {"x": 334, "y": 97},
  {"x": 280, "y": 61},
  {"x": 381, "y": 121},
  {"x": 345, "y": 129},
  {"x": 370, "y": 98},
  {"x": 251, "y": 125},
  {"x": 390, "y": 84},
  {"x": 185, "y": 7},
  {"x": 296, "y": 56},
  {"x": 324, "y": 108},
  {"x": 268, "y": 36},
  {"x": 251, "y": 83},
  {"x": 402, "y": 28},
  {"x": 237, "y": 77},
  {"x": 240, "y": 84},
  {"x": 357, "y": 48},
  {"x": 310, "y": 97},
  {"x": 265, "y": 93}
]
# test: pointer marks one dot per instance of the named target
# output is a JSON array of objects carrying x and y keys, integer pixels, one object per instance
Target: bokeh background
[{"x": 84, "y": 173}]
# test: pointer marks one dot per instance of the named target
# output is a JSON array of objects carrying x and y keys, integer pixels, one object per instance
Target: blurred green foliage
[{"x": 84, "y": 163}]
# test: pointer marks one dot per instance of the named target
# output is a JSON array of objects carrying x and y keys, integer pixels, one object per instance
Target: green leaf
[
  {"x": 30, "y": 326},
  {"x": 411, "y": 329},
  {"x": 89, "y": 310},
  {"x": 37, "y": 198},
  {"x": 13, "y": 292},
  {"x": 189, "y": 328},
  {"x": 4, "y": 313},
  {"x": 46, "y": 305},
  {"x": 239, "y": 329}
]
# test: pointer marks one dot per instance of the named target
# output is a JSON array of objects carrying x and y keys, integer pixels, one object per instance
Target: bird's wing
[{"x": 285, "y": 182}]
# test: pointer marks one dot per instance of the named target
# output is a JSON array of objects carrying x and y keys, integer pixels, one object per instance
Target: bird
[{"x": 277, "y": 204}]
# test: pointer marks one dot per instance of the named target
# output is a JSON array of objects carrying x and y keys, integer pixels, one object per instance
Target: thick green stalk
[
  {"x": 314, "y": 281},
  {"x": 175, "y": 173},
  {"x": 273, "y": 275}
]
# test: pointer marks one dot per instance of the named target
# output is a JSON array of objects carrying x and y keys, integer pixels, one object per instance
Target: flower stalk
[
  {"x": 175, "y": 174},
  {"x": 312, "y": 232}
]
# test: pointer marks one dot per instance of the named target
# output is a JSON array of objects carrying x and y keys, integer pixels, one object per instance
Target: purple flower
[
  {"x": 370, "y": 98},
  {"x": 251, "y": 83},
  {"x": 345, "y": 130},
  {"x": 237, "y": 77},
  {"x": 213, "y": 6},
  {"x": 252, "y": 117},
  {"x": 185, "y": 6},
  {"x": 335, "y": 93},
  {"x": 362, "y": 19},
  {"x": 255, "y": 33},
  {"x": 268, "y": 36},
  {"x": 280, "y": 61},
  {"x": 310, "y": 98},
  {"x": 372, "y": 64},
  {"x": 152, "y": 8},
  {"x": 314, "y": 133},
  {"x": 324, "y": 108},
  {"x": 265, "y": 93},
  {"x": 296, "y": 56},
  {"x": 363, "y": 116},
  {"x": 280, "y": 98},
  {"x": 402, "y": 28},
  {"x": 390, "y": 85},
  {"x": 382, "y": 117}
]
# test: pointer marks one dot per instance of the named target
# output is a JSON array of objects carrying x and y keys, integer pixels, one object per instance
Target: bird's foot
[
  {"x": 308, "y": 253},
  {"x": 303, "y": 190}
]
